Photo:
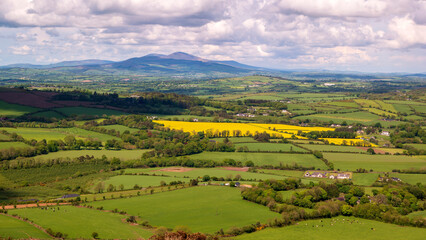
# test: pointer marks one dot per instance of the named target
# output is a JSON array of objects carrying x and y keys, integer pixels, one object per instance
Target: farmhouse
[
  {"x": 385, "y": 133},
  {"x": 343, "y": 176},
  {"x": 318, "y": 175}
]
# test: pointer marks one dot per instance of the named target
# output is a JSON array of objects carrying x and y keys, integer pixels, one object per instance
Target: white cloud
[
  {"x": 280, "y": 32},
  {"x": 22, "y": 50}
]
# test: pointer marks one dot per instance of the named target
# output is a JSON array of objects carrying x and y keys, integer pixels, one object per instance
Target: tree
[
  {"x": 206, "y": 178},
  {"x": 95, "y": 235},
  {"x": 371, "y": 151}
]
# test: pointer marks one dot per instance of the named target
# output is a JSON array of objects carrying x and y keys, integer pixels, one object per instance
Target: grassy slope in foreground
[
  {"x": 351, "y": 228},
  {"x": 14, "y": 228},
  {"x": 385, "y": 163},
  {"x": 202, "y": 209},
  {"x": 259, "y": 159},
  {"x": 82, "y": 222}
]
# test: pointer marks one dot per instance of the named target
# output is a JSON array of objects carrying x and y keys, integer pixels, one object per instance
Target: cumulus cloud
[
  {"x": 316, "y": 33},
  {"x": 21, "y": 50}
]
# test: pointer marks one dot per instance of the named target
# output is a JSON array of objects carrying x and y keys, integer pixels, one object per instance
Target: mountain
[
  {"x": 175, "y": 64},
  {"x": 59, "y": 64}
]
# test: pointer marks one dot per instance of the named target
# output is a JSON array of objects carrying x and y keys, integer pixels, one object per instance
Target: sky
[{"x": 342, "y": 35}]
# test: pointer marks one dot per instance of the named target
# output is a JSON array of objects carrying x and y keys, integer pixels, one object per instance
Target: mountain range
[{"x": 178, "y": 63}]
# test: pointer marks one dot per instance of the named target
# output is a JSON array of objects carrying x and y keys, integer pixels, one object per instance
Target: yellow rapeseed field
[
  {"x": 218, "y": 129},
  {"x": 349, "y": 142}
]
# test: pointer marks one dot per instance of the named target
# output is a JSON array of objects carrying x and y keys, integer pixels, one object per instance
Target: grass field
[
  {"x": 48, "y": 114},
  {"x": 260, "y": 159},
  {"x": 417, "y": 214},
  {"x": 129, "y": 181},
  {"x": 355, "y": 117},
  {"x": 37, "y": 133},
  {"x": 236, "y": 139},
  {"x": 82, "y": 222},
  {"x": 331, "y": 148},
  {"x": 410, "y": 178},
  {"x": 6, "y": 145},
  {"x": 14, "y": 110},
  {"x": 192, "y": 173},
  {"x": 120, "y": 128},
  {"x": 215, "y": 208},
  {"x": 88, "y": 111},
  {"x": 17, "y": 229},
  {"x": 364, "y": 179},
  {"x": 348, "y": 229},
  {"x": 418, "y": 146},
  {"x": 270, "y": 147},
  {"x": 82, "y": 133},
  {"x": 4, "y": 137},
  {"x": 122, "y": 154},
  {"x": 385, "y": 163}
]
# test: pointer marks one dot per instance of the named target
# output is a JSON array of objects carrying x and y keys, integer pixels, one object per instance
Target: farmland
[
  {"x": 270, "y": 147},
  {"x": 260, "y": 159},
  {"x": 231, "y": 163},
  {"x": 14, "y": 110},
  {"x": 122, "y": 154},
  {"x": 383, "y": 163},
  {"x": 18, "y": 229},
  {"x": 344, "y": 227},
  {"x": 82, "y": 222},
  {"x": 219, "y": 207}
]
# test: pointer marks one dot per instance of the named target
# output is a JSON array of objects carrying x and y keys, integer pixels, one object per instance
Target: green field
[
  {"x": 364, "y": 179},
  {"x": 332, "y": 148},
  {"x": 337, "y": 228},
  {"x": 17, "y": 229},
  {"x": 48, "y": 114},
  {"x": 270, "y": 147},
  {"x": 82, "y": 133},
  {"x": 129, "y": 181},
  {"x": 6, "y": 145},
  {"x": 354, "y": 117},
  {"x": 410, "y": 178},
  {"x": 14, "y": 110},
  {"x": 82, "y": 222},
  {"x": 122, "y": 154},
  {"x": 237, "y": 139},
  {"x": 418, "y": 146},
  {"x": 417, "y": 214},
  {"x": 120, "y": 128},
  {"x": 203, "y": 209},
  {"x": 382, "y": 163},
  {"x": 4, "y": 137},
  {"x": 69, "y": 111},
  {"x": 260, "y": 159},
  {"x": 37, "y": 133}
]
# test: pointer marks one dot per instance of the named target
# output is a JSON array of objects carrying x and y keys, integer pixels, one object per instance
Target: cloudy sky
[{"x": 360, "y": 35}]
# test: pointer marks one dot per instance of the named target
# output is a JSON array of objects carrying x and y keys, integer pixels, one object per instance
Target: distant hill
[{"x": 176, "y": 64}]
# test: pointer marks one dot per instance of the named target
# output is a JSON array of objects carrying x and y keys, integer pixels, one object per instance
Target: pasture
[
  {"x": 78, "y": 222},
  {"x": 270, "y": 147},
  {"x": 331, "y": 148},
  {"x": 120, "y": 128},
  {"x": 380, "y": 163},
  {"x": 37, "y": 133},
  {"x": 193, "y": 173},
  {"x": 14, "y": 110},
  {"x": 344, "y": 228},
  {"x": 69, "y": 111},
  {"x": 123, "y": 154},
  {"x": 260, "y": 159},
  {"x": 410, "y": 178},
  {"x": 6, "y": 145},
  {"x": 364, "y": 179},
  {"x": 215, "y": 208},
  {"x": 16, "y": 229},
  {"x": 48, "y": 114},
  {"x": 82, "y": 133}
]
